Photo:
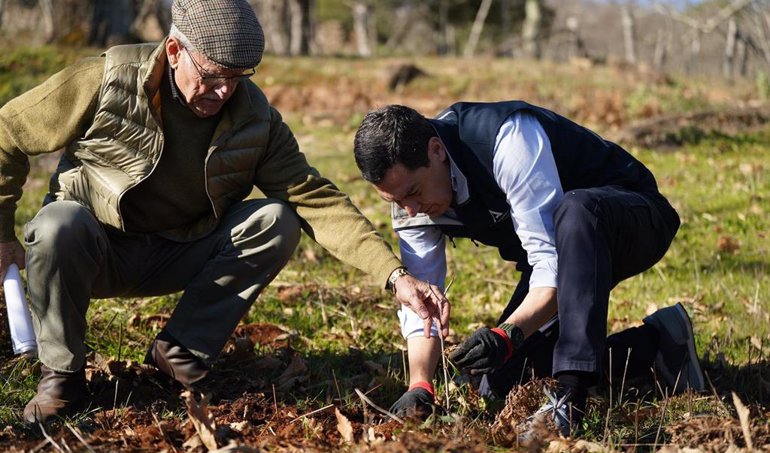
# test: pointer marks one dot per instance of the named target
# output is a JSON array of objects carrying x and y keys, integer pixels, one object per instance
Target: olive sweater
[{"x": 60, "y": 112}]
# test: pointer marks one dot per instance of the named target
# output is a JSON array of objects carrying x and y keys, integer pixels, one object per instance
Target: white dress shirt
[{"x": 524, "y": 168}]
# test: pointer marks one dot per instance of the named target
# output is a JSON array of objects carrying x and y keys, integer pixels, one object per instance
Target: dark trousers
[{"x": 603, "y": 236}]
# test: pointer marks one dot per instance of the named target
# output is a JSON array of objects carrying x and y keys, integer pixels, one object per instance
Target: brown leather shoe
[
  {"x": 174, "y": 360},
  {"x": 58, "y": 395}
]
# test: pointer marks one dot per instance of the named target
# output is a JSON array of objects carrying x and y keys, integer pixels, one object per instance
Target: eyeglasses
[{"x": 216, "y": 80}]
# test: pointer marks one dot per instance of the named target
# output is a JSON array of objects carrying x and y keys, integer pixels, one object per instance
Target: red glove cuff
[
  {"x": 508, "y": 342},
  {"x": 425, "y": 386}
]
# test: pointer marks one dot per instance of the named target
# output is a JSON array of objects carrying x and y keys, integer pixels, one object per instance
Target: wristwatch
[
  {"x": 398, "y": 272},
  {"x": 514, "y": 333}
]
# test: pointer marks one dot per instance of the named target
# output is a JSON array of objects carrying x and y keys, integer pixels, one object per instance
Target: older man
[
  {"x": 574, "y": 211},
  {"x": 163, "y": 143}
]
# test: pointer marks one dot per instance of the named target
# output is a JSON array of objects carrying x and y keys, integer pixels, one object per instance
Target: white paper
[{"x": 19, "y": 320}]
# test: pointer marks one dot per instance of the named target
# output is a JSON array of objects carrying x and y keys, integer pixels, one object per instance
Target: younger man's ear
[{"x": 436, "y": 149}]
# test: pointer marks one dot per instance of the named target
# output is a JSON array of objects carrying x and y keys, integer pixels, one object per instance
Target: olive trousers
[{"x": 73, "y": 258}]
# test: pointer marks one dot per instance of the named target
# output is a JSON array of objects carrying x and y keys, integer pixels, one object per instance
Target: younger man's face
[{"x": 425, "y": 190}]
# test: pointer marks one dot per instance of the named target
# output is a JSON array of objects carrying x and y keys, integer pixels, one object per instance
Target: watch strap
[{"x": 397, "y": 272}]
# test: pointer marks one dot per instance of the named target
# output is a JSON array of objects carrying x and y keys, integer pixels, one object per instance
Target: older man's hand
[{"x": 426, "y": 300}]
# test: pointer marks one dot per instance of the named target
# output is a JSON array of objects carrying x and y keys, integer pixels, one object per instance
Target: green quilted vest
[{"x": 125, "y": 141}]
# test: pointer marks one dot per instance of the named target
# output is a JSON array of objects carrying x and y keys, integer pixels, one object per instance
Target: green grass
[{"x": 717, "y": 266}]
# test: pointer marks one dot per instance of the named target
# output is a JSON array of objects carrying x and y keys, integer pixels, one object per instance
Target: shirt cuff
[
  {"x": 412, "y": 325},
  {"x": 542, "y": 278}
]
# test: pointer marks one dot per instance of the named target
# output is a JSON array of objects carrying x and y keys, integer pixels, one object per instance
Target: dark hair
[{"x": 391, "y": 135}]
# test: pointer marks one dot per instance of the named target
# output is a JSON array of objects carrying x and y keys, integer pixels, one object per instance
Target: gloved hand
[
  {"x": 487, "y": 349},
  {"x": 417, "y": 401}
]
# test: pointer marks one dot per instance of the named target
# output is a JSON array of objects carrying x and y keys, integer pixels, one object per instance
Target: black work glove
[
  {"x": 487, "y": 349},
  {"x": 415, "y": 402}
]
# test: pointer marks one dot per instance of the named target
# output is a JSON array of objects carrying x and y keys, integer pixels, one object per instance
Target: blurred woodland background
[
  {"x": 710, "y": 37},
  {"x": 684, "y": 85}
]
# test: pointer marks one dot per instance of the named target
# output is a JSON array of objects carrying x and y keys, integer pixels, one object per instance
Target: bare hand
[
  {"x": 426, "y": 300},
  {"x": 10, "y": 253}
]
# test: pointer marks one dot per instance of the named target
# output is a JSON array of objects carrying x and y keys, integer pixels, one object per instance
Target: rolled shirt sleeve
[{"x": 424, "y": 254}]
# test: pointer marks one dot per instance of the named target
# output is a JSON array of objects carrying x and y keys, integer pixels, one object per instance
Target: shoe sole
[{"x": 692, "y": 353}]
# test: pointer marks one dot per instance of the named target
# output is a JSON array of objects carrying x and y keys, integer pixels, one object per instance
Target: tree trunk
[
  {"x": 296, "y": 40},
  {"x": 477, "y": 28},
  {"x": 442, "y": 41},
  {"x": 150, "y": 23},
  {"x": 575, "y": 46},
  {"x": 762, "y": 26},
  {"x": 301, "y": 26},
  {"x": 691, "y": 64},
  {"x": 274, "y": 26},
  {"x": 530, "y": 32},
  {"x": 732, "y": 37},
  {"x": 362, "y": 26},
  {"x": 661, "y": 51},
  {"x": 308, "y": 27},
  {"x": 629, "y": 32},
  {"x": 112, "y": 22},
  {"x": 742, "y": 56},
  {"x": 506, "y": 24},
  {"x": 404, "y": 16},
  {"x": 46, "y": 7}
]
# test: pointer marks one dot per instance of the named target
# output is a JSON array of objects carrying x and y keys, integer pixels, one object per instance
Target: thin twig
[
  {"x": 120, "y": 341},
  {"x": 716, "y": 395},
  {"x": 636, "y": 422},
  {"x": 275, "y": 400},
  {"x": 610, "y": 376},
  {"x": 372, "y": 389},
  {"x": 115, "y": 398},
  {"x": 311, "y": 413},
  {"x": 523, "y": 369},
  {"x": 162, "y": 432},
  {"x": 623, "y": 382},
  {"x": 337, "y": 385},
  {"x": 662, "y": 418},
  {"x": 41, "y": 445},
  {"x": 80, "y": 438},
  {"x": 441, "y": 342},
  {"x": 366, "y": 400},
  {"x": 49, "y": 439}
]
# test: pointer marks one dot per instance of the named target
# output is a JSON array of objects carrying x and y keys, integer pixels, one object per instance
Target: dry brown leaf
[
  {"x": 590, "y": 447},
  {"x": 743, "y": 416},
  {"x": 344, "y": 426},
  {"x": 296, "y": 372},
  {"x": 727, "y": 244},
  {"x": 233, "y": 447},
  {"x": 310, "y": 255},
  {"x": 201, "y": 419},
  {"x": 239, "y": 426},
  {"x": 558, "y": 446}
]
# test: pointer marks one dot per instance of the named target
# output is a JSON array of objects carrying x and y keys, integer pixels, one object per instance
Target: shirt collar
[
  {"x": 459, "y": 182},
  {"x": 174, "y": 89}
]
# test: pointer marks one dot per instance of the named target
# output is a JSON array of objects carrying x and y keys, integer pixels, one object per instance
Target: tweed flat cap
[{"x": 226, "y": 31}]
